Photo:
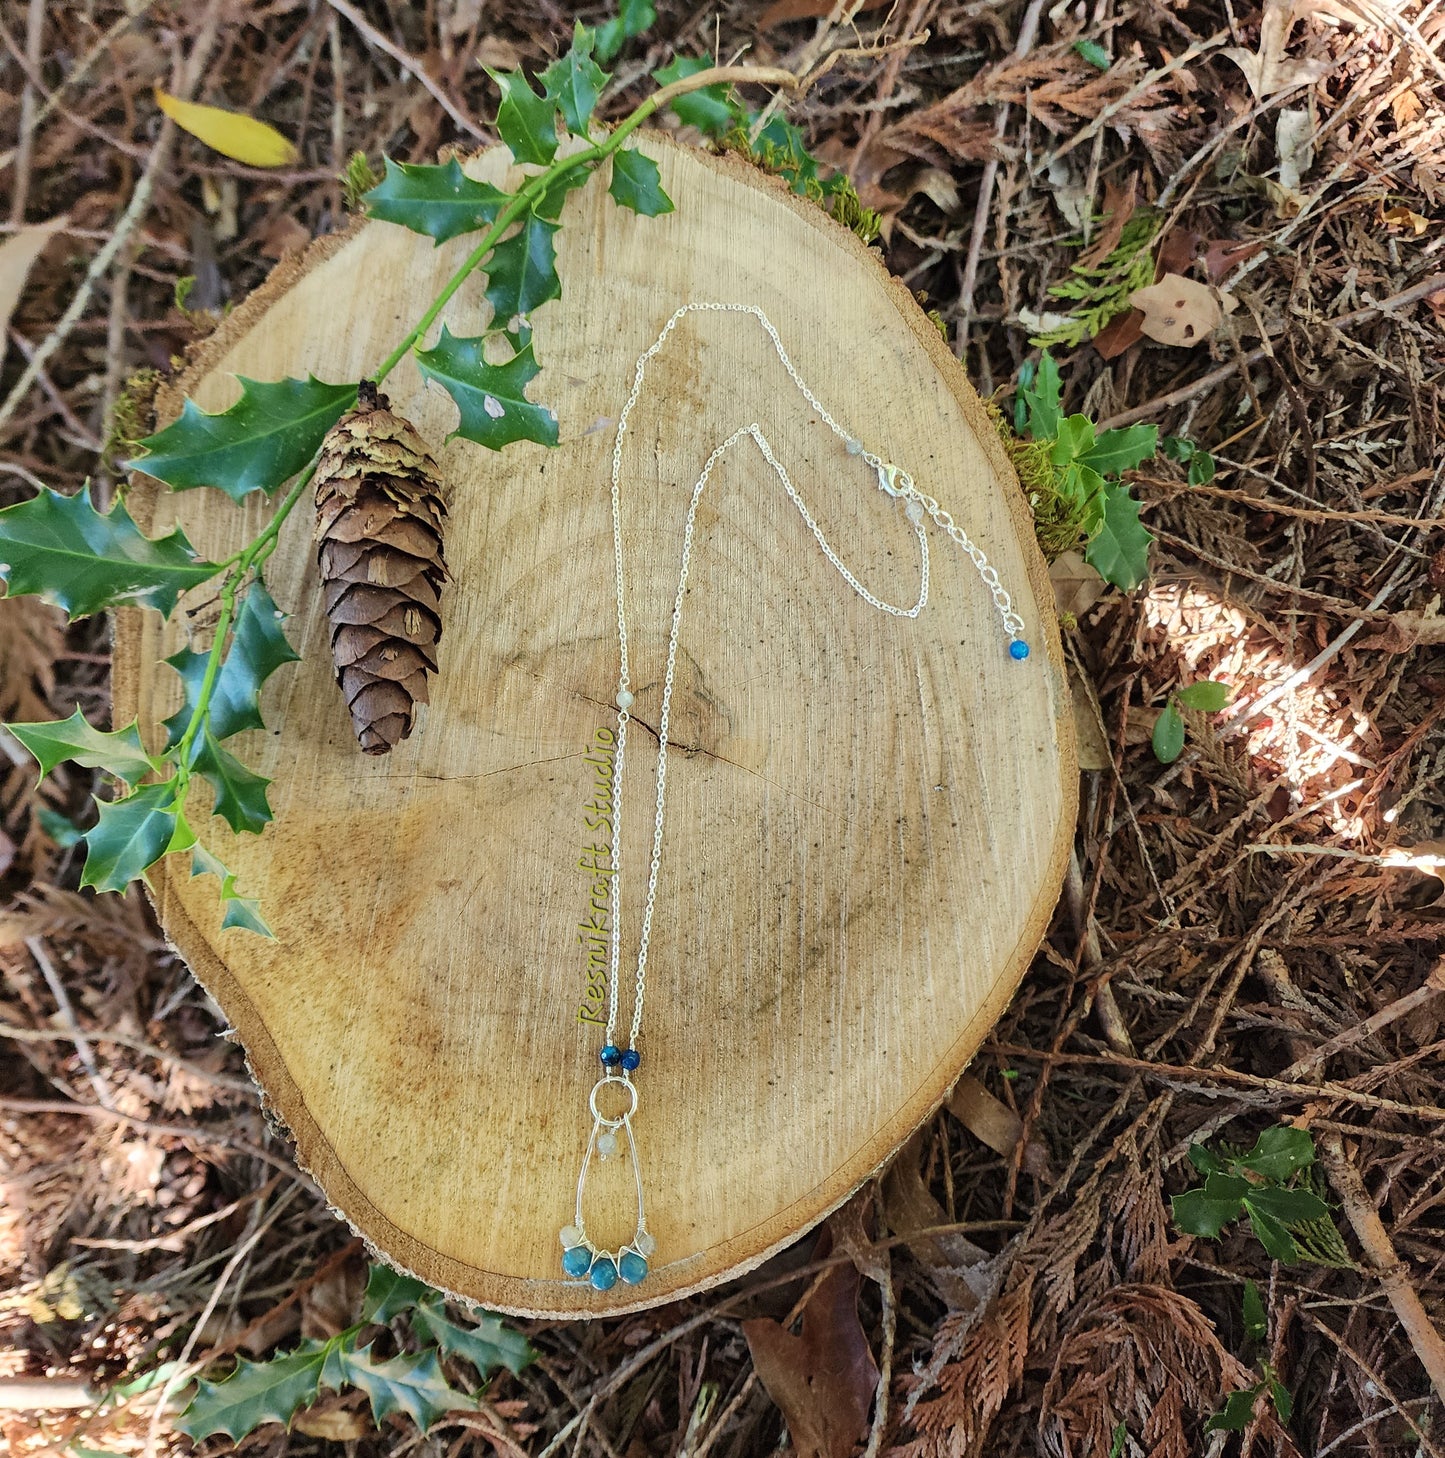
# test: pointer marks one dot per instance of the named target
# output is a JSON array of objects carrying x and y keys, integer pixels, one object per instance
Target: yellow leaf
[
  {"x": 241, "y": 138},
  {"x": 1402, "y": 220}
]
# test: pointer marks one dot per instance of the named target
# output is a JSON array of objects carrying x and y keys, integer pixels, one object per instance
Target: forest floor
[{"x": 1250, "y": 937}]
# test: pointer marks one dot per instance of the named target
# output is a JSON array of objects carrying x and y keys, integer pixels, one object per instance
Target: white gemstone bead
[
  {"x": 645, "y": 1243},
  {"x": 570, "y": 1236},
  {"x": 914, "y": 511},
  {"x": 607, "y": 1144},
  {"x": 624, "y": 699},
  {"x": 853, "y": 447}
]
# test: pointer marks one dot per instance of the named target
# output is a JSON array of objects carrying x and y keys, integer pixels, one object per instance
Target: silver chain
[{"x": 893, "y": 480}]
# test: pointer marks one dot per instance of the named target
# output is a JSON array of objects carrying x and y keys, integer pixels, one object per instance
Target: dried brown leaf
[
  {"x": 1178, "y": 310},
  {"x": 823, "y": 1380},
  {"x": 1267, "y": 69},
  {"x": 17, "y": 256}
]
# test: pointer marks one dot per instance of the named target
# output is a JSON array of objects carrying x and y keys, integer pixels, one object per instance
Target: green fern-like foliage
[{"x": 1101, "y": 292}]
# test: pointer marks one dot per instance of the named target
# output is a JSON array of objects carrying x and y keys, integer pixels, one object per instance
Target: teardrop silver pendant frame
[{"x": 581, "y": 1256}]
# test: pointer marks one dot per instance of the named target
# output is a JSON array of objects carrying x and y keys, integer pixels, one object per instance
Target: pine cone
[{"x": 379, "y": 518}]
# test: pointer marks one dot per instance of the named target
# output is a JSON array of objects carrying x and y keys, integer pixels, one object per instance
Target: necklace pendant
[{"x": 581, "y": 1256}]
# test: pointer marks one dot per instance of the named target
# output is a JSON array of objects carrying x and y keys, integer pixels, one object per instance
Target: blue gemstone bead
[
  {"x": 631, "y": 1059},
  {"x": 1018, "y": 649},
  {"x": 633, "y": 1268},
  {"x": 604, "y": 1274},
  {"x": 611, "y": 1056},
  {"x": 576, "y": 1261}
]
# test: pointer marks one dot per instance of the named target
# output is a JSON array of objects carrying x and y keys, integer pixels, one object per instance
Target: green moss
[
  {"x": 358, "y": 179},
  {"x": 1058, "y": 519},
  {"x": 133, "y": 416}
]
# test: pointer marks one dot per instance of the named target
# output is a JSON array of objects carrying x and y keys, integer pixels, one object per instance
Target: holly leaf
[
  {"x": 522, "y": 271},
  {"x": 1120, "y": 552},
  {"x": 263, "y": 440},
  {"x": 487, "y": 1345},
  {"x": 240, "y": 793},
  {"x": 632, "y": 18},
  {"x": 1256, "y": 1323},
  {"x": 526, "y": 122},
  {"x": 1211, "y": 697},
  {"x": 240, "y": 911},
  {"x": 1282, "y": 1398},
  {"x": 1289, "y": 1207},
  {"x": 574, "y": 81},
  {"x": 256, "y": 1393},
  {"x": 1281, "y": 1149},
  {"x": 257, "y": 649},
  {"x": 1208, "y": 1210},
  {"x": 442, "y": 202},
  {"x": 1201, "y": 469},
  {"x": 412, "y": 1383},
  {"x": 1167, "y": 740},
  {"x": 1122, "y": 450},
  {"x": 390, "y": 1294},
  {"x": 548, "y": 203},
  {"x": 62, "y": 549},
  {"x": 711, "y": 110},
  {"x": 491, "y": 398},
  {"x": 73, "y": 741},
  {"x": 1040, "y": 390},
  {"x": 1238, "y": 1411},
  {"x": 1074, "y": 441},
  {"x": 1205, "y": 1160},
  {"x": 637, "y": 184},
  {"x": 130, "y": 836},
  {"x": 1272, "y": 1235}
]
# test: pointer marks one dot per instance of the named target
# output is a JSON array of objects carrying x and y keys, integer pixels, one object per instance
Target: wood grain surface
[{"x": 868, "y": 817}]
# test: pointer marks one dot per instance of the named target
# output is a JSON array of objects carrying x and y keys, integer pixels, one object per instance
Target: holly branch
[{"x": 62, "y": 549}]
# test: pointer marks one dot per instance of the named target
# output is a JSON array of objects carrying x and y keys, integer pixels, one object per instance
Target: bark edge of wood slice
[{"x": 868, "y": 818}]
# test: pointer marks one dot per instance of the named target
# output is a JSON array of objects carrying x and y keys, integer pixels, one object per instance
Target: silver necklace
[{"x": 581, "y": 1257}]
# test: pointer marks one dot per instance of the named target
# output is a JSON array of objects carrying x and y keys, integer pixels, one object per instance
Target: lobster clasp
[{"x": 893, "y": 480}]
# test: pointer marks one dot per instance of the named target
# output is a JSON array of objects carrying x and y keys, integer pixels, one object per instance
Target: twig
[
  {"x": 1379, "y": 1250},
  {"x": 24, "y": 151},
  {"x": 67, "y": 1012},
  {"x": 41, "y": 1394},
  {"x": 885, "y": 1357},
  {"x": 409, "y": 64},
  {"x": 1028, "y": 32}
]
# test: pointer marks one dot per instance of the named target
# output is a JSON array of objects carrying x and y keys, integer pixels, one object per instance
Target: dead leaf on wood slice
[
  {"x": 992, "y": 1122},
  {"x": 1268, "y": 70},
  {"x": 17, "y": 256},
  {"x": 822, "y": 1381},
  {"x": 1090, "y": 739},
  {"x": 1178, "y": 311},
  {"x": 1410, "y": 629}
]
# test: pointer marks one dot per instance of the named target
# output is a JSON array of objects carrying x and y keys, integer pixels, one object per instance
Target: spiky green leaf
[
  {"x": 442, "y": 201},
  {"x": 1074, "y": 441},
  {"x": 1256, "y": 1323},
  {"x": 637, "y": 184},
  {"x": 487, "y": 1344},
  {"x": 1281, "y": 1150},
  {"x": 1122, "y": 450},
  {"x": 1040, "y": 394},
  {"x": 62, "y": 549},
  {"x": 73, "y": 741},
  {"x": 1272, "y": 1235},
  {"x": 1120, "y": 551},
  {"x": 548, "y": 203},
  {"x": 62, "y": 830},
  {"x": 526, "y": 122},
  {"x": 258, "y": 647},
  {"x": 1167, "y": 740},
  {"x": 632, "y": 19},
  {"x": 256, "y": 1393},
  {"x": 240, "y": 793},
  {"x": 522, "y": 271},
  {"x": 239, "y": 911},
  {"x": 574, "y": 81},
  {"x": 390, "y": 1294},
  {"x": 1208, "y": 1210},
  {"x": 1238, "y": 1411},
  {"x": 491, "y": 398},
  {"x": 1289, "y": 1207},
  {"x": 412, "y": 1383},
  {"x": 263, "y": 440},
  {"x": 130, "y": 836},
  {"x": 711, "y": 110}
]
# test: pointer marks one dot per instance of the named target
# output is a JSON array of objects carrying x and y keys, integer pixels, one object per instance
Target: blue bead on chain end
[
  {"x": 611, "y": 1056},
  {"x": 631, "y": 1060},
  {"x": 1018, "y": 649}
]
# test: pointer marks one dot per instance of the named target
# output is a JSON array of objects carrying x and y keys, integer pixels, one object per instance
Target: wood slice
[{"x": 868, "y": 817}]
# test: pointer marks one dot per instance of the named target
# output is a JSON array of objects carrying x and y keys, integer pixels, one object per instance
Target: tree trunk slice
[{"x": 868, "y": 817}]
